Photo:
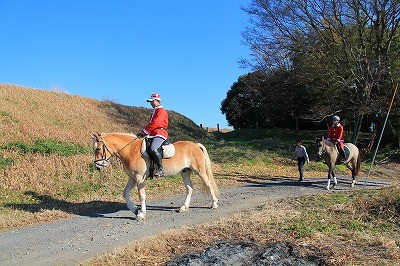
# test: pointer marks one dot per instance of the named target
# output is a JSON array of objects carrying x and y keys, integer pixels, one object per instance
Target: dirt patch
[{"x": 279, "y": 253}]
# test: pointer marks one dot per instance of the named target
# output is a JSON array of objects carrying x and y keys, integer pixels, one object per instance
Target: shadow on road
[
  {"x": 94, "y": 209},
  {"x": 265, "y": 181}
]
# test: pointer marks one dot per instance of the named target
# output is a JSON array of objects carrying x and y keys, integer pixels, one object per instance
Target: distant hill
[{"x": 29, "y": 114}]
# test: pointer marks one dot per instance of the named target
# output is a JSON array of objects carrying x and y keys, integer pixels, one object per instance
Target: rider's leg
[
  {"x": 341, "y": 151},
  {"x": 157, "y": 156}
]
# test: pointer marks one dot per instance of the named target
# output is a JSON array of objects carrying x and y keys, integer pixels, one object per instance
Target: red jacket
[
  {"x": 158, "y": 124},
  {"x": 336, "y": 133}
]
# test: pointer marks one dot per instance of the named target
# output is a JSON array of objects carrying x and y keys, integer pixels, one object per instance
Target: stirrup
[{"x": 160, "y": 173}]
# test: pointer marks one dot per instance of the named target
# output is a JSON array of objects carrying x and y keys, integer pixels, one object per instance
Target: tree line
[{"x": 311, "y": 59}]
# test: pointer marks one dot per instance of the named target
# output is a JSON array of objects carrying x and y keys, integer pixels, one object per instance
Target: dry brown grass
[{"x": 30, "y": 114}]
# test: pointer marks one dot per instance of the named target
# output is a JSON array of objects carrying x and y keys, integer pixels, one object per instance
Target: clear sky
[{"x": 123, "y": 50}]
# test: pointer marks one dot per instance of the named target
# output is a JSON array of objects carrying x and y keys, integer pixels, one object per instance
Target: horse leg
[
  {"x": 189, "y": 189},
  {"x": 127, "y": 191},
  {"x": 334, "y": 179},
  {"x": 353, "y": 174},
  {"x": 328, "y": 184},
  {"x": 142, "y": 197}
]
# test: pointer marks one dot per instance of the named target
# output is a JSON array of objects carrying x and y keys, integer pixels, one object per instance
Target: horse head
[
  {"x": 321, "y": 146},
  {"x": 102, "y": 154}
]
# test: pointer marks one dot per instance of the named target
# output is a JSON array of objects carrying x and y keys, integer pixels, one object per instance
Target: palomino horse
[
  {"x": 329, "y": 153},
  {"x": 189, "y": 156}
]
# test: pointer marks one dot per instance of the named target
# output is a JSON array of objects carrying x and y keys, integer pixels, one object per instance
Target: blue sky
[{"x": 123, "y": 50}]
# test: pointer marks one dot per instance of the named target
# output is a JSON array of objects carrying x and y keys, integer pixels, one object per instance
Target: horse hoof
[
  {"x": 140, "y": 216},
  {"x": 327, "y": 188},
  {"x": 183, "y": 208},
  {"x": 214, "y": 206}
]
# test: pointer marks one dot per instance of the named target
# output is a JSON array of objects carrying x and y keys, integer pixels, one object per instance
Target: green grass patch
[
  {"x": 311, "y": 222},
  {"x": 75, "y": 191},
  {"x": 57, "y": 122},
  {"x": 5, "y": 162},
  {"x": 10, "y": 199},
  {"x": 367, "y": 211},
  {"x": 49, "y": 146},
  {"x": 7, "y": 118}
]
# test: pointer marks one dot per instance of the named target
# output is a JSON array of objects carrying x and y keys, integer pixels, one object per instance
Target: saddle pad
[
  {"x": 346, "y": 151},
  {"x": 169, "y": 150}
]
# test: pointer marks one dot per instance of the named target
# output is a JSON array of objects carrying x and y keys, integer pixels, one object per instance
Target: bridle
[{"x": 100, "y": 163}]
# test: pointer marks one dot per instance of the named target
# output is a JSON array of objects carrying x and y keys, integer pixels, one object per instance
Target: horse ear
[{"x": 323, "y": 138}]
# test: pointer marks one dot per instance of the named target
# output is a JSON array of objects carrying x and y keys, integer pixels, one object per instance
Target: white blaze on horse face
[
  {"x": 94, "y": 144},
  {"x": 320, "y": 149},
  {"x": 99, "y": 161}
]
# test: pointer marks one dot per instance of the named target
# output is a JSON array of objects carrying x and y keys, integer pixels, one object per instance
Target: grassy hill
[{"x": 30, "y": 114}]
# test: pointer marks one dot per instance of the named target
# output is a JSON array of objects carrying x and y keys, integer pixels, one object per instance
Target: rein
[{"x": 104, "y": 147}]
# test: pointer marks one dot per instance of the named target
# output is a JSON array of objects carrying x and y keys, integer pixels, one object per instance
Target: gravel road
[{"x": 73, "y": 240}]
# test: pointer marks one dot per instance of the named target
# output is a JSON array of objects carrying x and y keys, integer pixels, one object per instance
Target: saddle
[{"x": 167, "y": 149}]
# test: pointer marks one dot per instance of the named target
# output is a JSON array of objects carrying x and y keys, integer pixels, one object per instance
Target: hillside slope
[{"x": 30, "y": 114}]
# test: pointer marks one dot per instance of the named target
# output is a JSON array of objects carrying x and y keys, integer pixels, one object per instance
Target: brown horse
[
  {"x": 328, "y": 151},
  {"x": 189, "y": 157}
]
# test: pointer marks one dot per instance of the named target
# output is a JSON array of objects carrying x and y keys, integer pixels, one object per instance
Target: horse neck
[
  {"x": 120, "y": 144},
  {"x": 329, "y": 147}
]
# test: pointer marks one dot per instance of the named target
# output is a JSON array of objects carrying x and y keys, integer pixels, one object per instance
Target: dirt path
[{"x": 74, "y": 240}]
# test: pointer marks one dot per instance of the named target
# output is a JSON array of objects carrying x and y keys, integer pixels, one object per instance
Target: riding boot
[
  {"x": 341, "y": 153},
  {"x": 157, "y": 156},
  {"x": 151, "y": 166}
]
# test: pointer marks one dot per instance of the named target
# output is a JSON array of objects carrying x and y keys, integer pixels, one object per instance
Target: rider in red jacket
[
  {"x": 335, "y": 135},
  {"x": 156, "y": 130}
]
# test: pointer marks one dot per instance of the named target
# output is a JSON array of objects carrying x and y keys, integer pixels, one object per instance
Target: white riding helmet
[{"x": 336, "y": 118}]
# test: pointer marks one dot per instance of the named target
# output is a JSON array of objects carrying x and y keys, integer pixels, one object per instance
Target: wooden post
[{"x": 218, "y": 127}]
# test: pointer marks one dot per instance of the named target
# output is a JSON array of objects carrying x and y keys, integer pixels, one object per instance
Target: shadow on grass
[{"x": 46, "y": 202}]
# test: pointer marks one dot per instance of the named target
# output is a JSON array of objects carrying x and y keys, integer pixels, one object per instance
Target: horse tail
[
  {"x": 358, "y": 164},
  {"x": 209, "y": 172}
]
